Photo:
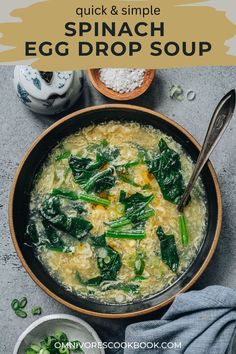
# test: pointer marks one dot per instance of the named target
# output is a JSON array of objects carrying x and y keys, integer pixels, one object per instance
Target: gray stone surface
[{"x": 19, "y": 127}]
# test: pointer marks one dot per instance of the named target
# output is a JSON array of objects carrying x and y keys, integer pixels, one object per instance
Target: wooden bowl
[{"x": 94, "y": 77}]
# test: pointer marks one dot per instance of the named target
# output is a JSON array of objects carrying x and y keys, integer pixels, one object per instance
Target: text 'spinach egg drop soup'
[{"x": 103, "y": 212}]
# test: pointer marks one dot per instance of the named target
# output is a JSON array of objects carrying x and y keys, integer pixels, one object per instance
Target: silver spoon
[{"x": 218, "y": 124}]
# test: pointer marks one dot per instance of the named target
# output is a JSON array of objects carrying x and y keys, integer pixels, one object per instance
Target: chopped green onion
[
  {"x": 183, "y": 230},
  {"x": 64, "y": 155},
  {"x": 44, "y": 351},
  {"x": 47, "y": 341},
  {"x": 18, "y": 305},
  {"x": 107, "y": 260},
  {"x": 132, "y": 235},
  {"x": 176, "y": 92},
  {"x": 94, "y": 200},
  {"x": 23, "y": 302},
  {"x": 61, "y": 336},
  {"x": 21, "y": 313},
  {"x": 48, "y": 345},
  {"x": 35, "y": 347},
  {"x": 139, "y": 265},
  {"x": 76, "y": 347},
  {"x": 64, "y": 351},
  {"x": 36, "y": 311},
  {"x": 31, "y": 351},
  {"x": 15, "y": 304}
]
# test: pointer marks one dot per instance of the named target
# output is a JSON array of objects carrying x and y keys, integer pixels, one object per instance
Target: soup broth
[{"x": 103, "y": 212}]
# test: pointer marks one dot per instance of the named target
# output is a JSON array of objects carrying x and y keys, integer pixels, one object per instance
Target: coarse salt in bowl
[{"x": 121, "y": 83}]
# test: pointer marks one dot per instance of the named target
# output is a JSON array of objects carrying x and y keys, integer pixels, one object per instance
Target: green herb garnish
[
  {"x": 58, "y": 343},
  {"x": 36, "y": 311},
  {"x": 23, "y": 302},
  {"x": 18, "y": 306},
  {"x": 15, "y": 304},
  {"x": 21, "y": 313}
]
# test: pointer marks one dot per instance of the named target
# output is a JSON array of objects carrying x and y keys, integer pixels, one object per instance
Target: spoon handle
[{"x": 218, "y": 124}]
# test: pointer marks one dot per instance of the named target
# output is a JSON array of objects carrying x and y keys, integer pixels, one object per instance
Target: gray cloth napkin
[{"x": 202, "y": 321}]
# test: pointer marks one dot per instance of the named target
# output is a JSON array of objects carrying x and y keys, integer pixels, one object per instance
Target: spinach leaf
[
  {"x": 129, "y": 288},
  {"x": 109, "y": 267},
  {"x": 98, "y": 241},
  {"x": 169, "y": 253},
  {"x": 68, "y": 194},
  {"x": 105, "y": 155},
  {"x": 135, "y": 213},
  {"x": 53, "y": 240},
  {"x": 166, "y": 167},
  {"x": 65, "y": 193},
  {"x": 86, "y": 172},
  {"x": 135, "y": 205},
  {"x": 77, "y": 227},
  {"x": 32, "y": 232},
  {"x": 101, "y": 181},
  {"x": 89, "y": 282},
  {"x": 82, "y": 169},
  {"x": 49, "y": 238}
]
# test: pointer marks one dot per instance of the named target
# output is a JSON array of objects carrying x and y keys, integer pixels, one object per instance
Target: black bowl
[{"x": 20, "y": 195}]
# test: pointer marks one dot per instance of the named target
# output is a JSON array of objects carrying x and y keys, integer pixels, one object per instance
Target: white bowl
[{"x": 74, "y": 327}]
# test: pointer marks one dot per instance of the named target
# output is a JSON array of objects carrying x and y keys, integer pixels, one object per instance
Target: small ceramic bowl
[
  {"x": 74, "y": 327},
  {"x": 94, "y": 77},
  {"x": 47, "y": 92}
]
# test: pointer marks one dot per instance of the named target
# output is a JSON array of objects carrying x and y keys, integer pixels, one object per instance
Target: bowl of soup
[{"x": 93, "y": 211}]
